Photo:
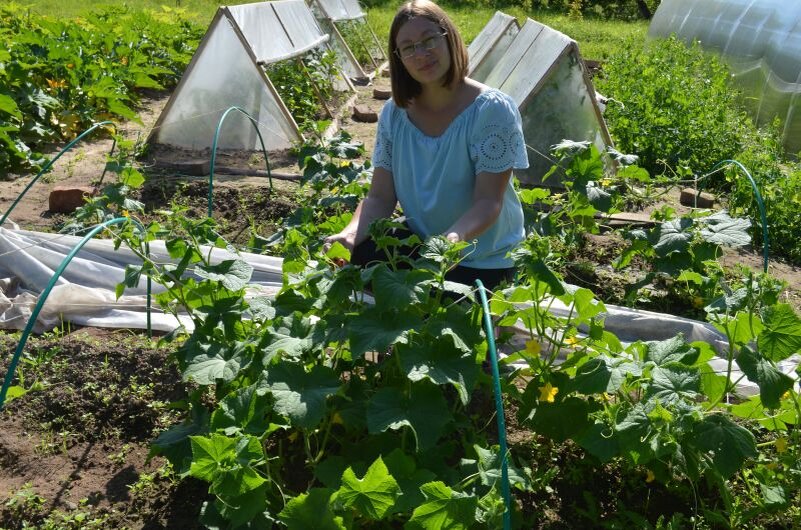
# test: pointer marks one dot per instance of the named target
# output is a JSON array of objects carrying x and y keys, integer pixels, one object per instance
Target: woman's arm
[
  {"x": 487, "y": 205},
  {"x": 379, "y": 203}
]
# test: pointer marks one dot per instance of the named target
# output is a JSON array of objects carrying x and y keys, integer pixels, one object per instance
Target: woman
[{"x": 445, "y": 149}]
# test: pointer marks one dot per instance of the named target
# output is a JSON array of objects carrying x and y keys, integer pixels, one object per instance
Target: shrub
[{"x": 673, "y": 104}]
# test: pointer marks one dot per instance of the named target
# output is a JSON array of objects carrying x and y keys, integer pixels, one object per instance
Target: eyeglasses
[{"x": 429, "y": 43}]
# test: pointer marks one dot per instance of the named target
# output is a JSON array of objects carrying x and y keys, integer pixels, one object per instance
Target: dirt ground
[{"x": 80, "y": 445}]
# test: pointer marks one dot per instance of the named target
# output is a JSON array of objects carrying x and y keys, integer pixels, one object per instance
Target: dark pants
[{"x": 367, "y": 253}]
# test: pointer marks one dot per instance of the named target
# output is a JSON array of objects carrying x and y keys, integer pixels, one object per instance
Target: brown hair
[{"x": 404, "y": 86}]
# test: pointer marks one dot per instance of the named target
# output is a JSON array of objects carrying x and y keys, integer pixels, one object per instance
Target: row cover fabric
[
  {"x": 759, "y": 39},
  {"x": 542, "y": 70},
  {"x": 85, "y": 294}
]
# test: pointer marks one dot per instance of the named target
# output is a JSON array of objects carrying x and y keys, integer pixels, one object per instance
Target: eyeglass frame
[{"x": 418, "y": 45}]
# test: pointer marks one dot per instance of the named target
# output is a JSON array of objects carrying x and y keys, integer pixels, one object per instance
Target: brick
[
  {"x": 364, "y": 114},
  {"x": 693, "y": 199},
  {"x": 67, "y": 199},
  {"x": 382, "y": 93}
]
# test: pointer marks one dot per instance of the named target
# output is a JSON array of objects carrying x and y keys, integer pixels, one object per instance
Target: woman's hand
[{"x": 346, "y": 238}]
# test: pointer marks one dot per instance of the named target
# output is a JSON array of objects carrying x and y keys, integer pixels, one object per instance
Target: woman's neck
[{"x": 436, "y": 98}]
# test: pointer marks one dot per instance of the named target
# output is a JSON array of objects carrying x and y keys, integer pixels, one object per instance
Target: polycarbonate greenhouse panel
[
  {"x": 490, "y": 45},
  {"x": 222, "y": 75},
  {"x": 337, "y": 10},
  {"x": 543, "y": 73},
  {"x": 278, "y": 30},
  {"x": 759, "y": 39}
]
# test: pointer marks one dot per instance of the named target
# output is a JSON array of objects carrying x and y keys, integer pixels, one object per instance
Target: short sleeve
[
  {"x": 496, "y": 142},
  {"x": 382, "y": 154}
]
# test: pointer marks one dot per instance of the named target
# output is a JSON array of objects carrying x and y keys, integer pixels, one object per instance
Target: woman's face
[{"x": 424, "y": 50}]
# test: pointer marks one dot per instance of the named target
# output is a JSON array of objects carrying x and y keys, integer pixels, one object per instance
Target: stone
[
  {"x": 694, "y": 199},
  {"x": 67, "y": 199},
  {"x": 363, "y": 114},
  {"x": 382, "y": 93}
]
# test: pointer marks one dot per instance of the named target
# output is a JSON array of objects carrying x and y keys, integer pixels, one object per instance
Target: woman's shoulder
[{"x": 490, "y": 97}]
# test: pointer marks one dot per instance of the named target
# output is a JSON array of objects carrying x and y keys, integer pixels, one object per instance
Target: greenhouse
[{"x": 760, "y": 40}]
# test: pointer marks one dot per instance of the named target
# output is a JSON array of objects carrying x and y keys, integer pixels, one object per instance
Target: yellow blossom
[
  {"x": 70, "y": 66},
  {"x": 649, "y": 477},
  {"x": 533, "y": 347},
  {"x": 548, "y": 393},
  {"x": 125, "y": 213},
  {"x": 572, "y": 341},
  {"x": 53, "y": 83},
  {"x": 344, "y": 163},
  {"x": 606, "y": 182},
  {"x": 337, "y": 419},
  {"x": 781, "y": 444},
  {"x": 698, "y": 302},
  {"x": 124, "y": 61}
]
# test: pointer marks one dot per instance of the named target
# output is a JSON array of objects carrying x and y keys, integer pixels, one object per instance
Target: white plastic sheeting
[
  {"x": 225, "y": 71},
  {"x": 761, "y": 41},
  {"x": 85, "y": 294},
  {"x": 542, "y": 70}
]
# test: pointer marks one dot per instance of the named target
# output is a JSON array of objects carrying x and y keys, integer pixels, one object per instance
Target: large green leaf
[
  {"x": 373, "y": 495},
  {"x": 298, "y": 394},
  {"x": 233, "y": 274},
  {"x": 721, "y": 229},
  {"x": 441, "y": 363},
  {"x": 772, "y": 382},
  {"x": 377, "y": 330},
  {"x": 226, "y": 463},
  {"x": 291, "y": 336},
  {"x": 398, "y": 290},
  {"x": 674, "y": 350},
  {"x": 311, "y": 511},
  {"x": 673, "y": 383},
  {"x": 730, "y": 444},
  {"x": 410, "y": 478},
  {"x": 489, "y": 468},
  {"x": 424, "y": 410},
  {"x": 242, "y": 411},
  {"x": 217, "y": 362},
  {"x": 781, "y": 337},
  {"x": 563, "y": 419},
  {"x": 603, "y": 374},
  {"x": 672, "y": 236},
  {"x": 444, "y": 509},
  {"x": 9, "y": 106}
]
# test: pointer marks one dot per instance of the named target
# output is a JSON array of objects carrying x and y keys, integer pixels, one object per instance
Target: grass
[{"x": 598, "y": 39}]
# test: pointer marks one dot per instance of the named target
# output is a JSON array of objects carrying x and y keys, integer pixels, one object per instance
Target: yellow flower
[
  {"x": 125, "y": 213},
  {"x": 572, "y": 341},
  {"x": 606, "y": 182},
  {"x": 780, "y": 444},
  {"x": 337, "y": 419},
  {"x": 53, "y": 83},
  {"x": 548, "y": 393},
  {"x": 533, "y": 347},
  {"x": 124, "y": 61},
  {"x": 70, "y": 66},
  {"x": 344, "y": 163},
  {"x": 698, "y": 302},
  {"x": 649, "y": 477}
]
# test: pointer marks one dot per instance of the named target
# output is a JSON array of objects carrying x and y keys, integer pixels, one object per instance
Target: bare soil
[{"x": 80, "y": 444}]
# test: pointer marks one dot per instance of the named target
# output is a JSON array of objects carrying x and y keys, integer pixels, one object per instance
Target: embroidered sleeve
[
  {"x": 497, "y": 139},
  {"x": 382, "y": 153}
]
